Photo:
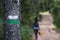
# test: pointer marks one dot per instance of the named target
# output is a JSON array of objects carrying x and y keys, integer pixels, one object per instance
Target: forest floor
[{"x": 46, "y": 28}]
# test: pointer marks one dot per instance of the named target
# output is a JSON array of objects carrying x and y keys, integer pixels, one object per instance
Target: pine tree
[{"x": 12, "y": 20}]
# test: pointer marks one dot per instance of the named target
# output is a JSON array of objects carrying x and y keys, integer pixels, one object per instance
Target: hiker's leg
[{"x": 36, "y": 34}]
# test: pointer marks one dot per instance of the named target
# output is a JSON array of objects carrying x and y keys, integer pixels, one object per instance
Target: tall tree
[{"x": 12, "y": 20}]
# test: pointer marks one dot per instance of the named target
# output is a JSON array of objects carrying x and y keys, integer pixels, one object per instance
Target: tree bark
[{"x": 12, "y": 20}]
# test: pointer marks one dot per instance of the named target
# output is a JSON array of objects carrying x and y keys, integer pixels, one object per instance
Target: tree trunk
[{"x": 12, "y": 20}]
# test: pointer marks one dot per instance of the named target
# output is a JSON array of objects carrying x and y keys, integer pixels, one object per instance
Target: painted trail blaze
[{"x": 13, "y": 21}]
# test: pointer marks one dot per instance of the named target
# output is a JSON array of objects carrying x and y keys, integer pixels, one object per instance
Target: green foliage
[
  {"x": 29, "y": 10},
  {"x": 46, "y": 5},
  {"x": 26, "y": 32},
  {"x": 1, "y": 8},
  {"x": 1, "y": 29},
  {"x": 56, "y": 16}
]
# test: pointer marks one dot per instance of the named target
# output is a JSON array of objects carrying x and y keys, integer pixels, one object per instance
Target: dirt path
[{"x": 45, "y": 28}]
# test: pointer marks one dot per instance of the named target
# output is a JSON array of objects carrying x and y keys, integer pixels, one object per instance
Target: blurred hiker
[{"x": 35, "y": 27}]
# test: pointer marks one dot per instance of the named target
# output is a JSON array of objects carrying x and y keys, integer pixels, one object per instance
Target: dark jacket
[{"x": 35, "y": 24}]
